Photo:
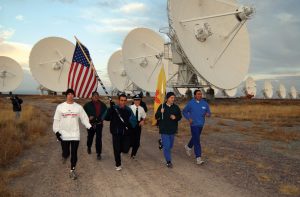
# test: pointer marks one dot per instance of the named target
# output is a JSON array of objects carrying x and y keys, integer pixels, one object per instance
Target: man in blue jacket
[{"x": 195, "y": 112}]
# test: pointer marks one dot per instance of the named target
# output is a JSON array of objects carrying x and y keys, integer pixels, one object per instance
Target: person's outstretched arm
[{"x": 84, "y": 118}]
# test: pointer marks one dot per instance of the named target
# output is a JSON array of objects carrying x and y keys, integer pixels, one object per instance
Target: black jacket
[
  {"x": 16, "y": 102},
  {"x": 117, "y": 127},
  {"x": 165, "y": 123},
  {"x": 90, "y": 110}
]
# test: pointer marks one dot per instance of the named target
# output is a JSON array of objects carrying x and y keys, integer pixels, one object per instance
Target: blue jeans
[
  {"x": 195, "y": 140},
  {"x": 167, "y": 141}
]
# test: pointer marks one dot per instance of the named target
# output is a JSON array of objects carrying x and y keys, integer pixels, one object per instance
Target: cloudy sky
[{"x": 102, "y": 25}]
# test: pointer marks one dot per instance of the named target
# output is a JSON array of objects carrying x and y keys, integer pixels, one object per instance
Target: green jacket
[
  {"x": 165, "y": 123},
  {"x": 90, "y": 110}
]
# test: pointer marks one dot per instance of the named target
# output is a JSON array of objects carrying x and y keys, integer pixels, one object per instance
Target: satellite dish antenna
[
  {"x": 211, "y": 39},
  {"x": 11, "y": 74},
  {"x": 117, "y": 73},
  {"x": 293, "y": 93},
  {"x": 142, "y": 52},
  {"x": 268, "y": 90},
  {"x": 50, "y": 60},
  {"x": 281, "y": 91},
  {"x": 230, "y": 93},
  {"x": 250, "y": 87}
]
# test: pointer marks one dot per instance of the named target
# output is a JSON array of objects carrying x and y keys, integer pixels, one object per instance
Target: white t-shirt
[
  {"x": 141, "y": 111},
  {"x": 66, "y": 120}
]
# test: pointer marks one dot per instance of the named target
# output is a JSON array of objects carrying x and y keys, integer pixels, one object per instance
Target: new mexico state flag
[{"x": 160, "y": 92}]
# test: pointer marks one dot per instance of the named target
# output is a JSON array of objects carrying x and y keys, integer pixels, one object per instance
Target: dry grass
[
  {"x": 222, "y": 123},
  {"x": 15, "y": 136},
  {"x": 264, "y": 177},
  {"x": 291, "y": 190},
  {"x": 287, "y": 114}
]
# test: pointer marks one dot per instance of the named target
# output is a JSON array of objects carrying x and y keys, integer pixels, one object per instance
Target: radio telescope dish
[
  {"x": 142, "y": 52},
  {"x": 211, "y": 36},
  {"x": 230, "y": 93},
  {"x": 250, "y": 87},
  {"x": 11, "y": 74},
  {"x": 268, "y": 90},
  {"x": 117, "y": 73},
  {"x": 281, "y": 91},
  {"x": 293, "y": 92},
  {"x": 50, "y": 61}
]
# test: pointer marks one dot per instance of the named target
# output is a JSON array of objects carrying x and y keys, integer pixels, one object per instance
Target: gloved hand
[
  {"x": 58, "y": 136},
  {"x": 111, "y": 103}
]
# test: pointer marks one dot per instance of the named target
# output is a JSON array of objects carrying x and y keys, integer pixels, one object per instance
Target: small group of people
[{"x": 126, "y": 125}]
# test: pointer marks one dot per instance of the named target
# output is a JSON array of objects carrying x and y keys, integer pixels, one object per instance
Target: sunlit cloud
[
  {"x": 6, "y": 33},
  {"x": 17, "y": 51},
  {"x": 20, "y": 17},
  {"x": 274, "y": 76},
  {"x": 133, "y": 7},
  {"x": 287, "y": 18}
]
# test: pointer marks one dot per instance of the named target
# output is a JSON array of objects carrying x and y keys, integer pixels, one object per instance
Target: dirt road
[{"x": 147, "y": 176}]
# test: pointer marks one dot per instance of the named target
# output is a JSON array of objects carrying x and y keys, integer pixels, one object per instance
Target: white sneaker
[
  {"x": 118, "y": 168},
  {"x": 73, "y": 174},
  {"x": 188, "y": 150},
  {"x": 199, "y": 161}
]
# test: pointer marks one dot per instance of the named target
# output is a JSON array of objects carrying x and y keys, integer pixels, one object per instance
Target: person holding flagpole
[
  {"x": 122, "y": 120},
  {"x": 159, "y": 98},
  {"x": 168, "y": 114}
]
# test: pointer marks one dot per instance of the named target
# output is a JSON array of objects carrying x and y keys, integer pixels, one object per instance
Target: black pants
[
  {"x": 90, "y": 137},
  {"x": 65, "y": 145},
  {"x": 121, "y": 143},
  {"x": 135, "y": 139}
]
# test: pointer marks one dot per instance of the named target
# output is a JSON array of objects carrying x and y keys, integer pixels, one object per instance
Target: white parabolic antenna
[
  {"x": 212, "y": 37},
  {"x": 268, "y": 90},
  {"x": 11, "y": 74},
  {"x": 230, "y": 93},
  {"x": 142, "y": 51},
  {"x": 250, "y": 87},
  {"x": 50, "y": 60},
  {"x": 116, "y": 71},
  {"x": 281, "y": 91},
  {"x": 293, "y": 92}
]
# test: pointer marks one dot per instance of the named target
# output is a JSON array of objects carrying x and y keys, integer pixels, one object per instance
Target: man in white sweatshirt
[{"x": 66, "y": 128}]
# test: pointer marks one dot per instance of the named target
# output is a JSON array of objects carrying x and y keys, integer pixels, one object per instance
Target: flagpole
[
  {"x": 103, "y": 87},
  {"x": 91, "y": 63}
]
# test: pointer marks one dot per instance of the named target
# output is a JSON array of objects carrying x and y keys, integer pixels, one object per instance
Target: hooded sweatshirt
[{"x": 66, "y": 120}]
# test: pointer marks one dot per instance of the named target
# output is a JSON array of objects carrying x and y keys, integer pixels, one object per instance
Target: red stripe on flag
[
  {"x": 78, "y": 78},
  {"x": 69, "y": 76},
  {"x": 86, "y": 87},
  {"x": 74, "y": 74},
  {"x": 92, "y": 87},
  {"x": 83, "y": 80}
]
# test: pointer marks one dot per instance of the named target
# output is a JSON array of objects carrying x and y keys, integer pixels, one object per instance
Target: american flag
[{"x": 82, "y": 76}]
